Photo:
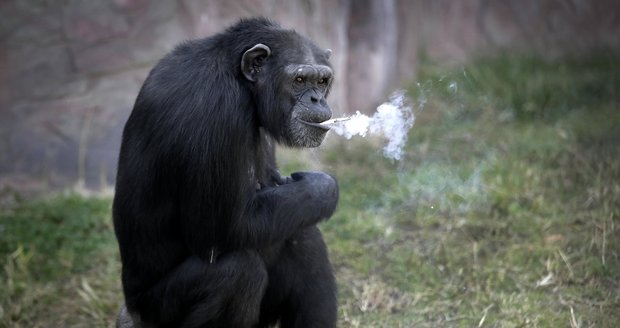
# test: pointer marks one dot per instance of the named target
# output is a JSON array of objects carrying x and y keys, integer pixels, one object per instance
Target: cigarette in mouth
[{"x": 335, "y": 121}]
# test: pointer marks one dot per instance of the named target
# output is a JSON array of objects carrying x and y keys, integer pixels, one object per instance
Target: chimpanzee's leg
[
  {"x": 302, "y": 288},
  {"x": 226, "y": 293}
]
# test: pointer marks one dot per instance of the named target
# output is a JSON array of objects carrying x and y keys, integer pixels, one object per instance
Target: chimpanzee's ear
[
  {"x": 252, "y": 60},
  {"x": 328, "y": 53}
]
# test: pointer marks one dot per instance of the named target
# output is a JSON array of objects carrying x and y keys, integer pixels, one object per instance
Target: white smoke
[{"x": 392, "y": 120}]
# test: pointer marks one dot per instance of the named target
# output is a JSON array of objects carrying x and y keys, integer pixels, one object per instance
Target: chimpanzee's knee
[
  {"x": 231, "y": 294},
  {"x": 248, "y": 289}
]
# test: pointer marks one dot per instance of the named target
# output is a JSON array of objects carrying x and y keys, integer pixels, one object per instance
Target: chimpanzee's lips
[{"x": 316, "y": 125}]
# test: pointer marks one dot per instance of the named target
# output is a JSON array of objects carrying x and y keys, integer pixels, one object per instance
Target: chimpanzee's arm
[{"x": 276, "y": 213}]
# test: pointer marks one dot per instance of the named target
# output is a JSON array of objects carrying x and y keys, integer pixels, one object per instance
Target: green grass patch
[
  {"x": 504, "y": 212},
  {"x": 54, "y": 253}
]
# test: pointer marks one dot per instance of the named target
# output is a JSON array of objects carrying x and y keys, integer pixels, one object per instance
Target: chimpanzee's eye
[
  {"x": 322, "y": 81},
  {"x": 299, "y": 79}
]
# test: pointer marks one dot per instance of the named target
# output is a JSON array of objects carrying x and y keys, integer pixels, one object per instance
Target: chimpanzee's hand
[
  {"x": 322, "y": 191},
  {"x": 278, "y": 179}
]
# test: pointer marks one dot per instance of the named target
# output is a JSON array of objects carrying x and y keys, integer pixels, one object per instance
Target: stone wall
[{"x": 70, "y": 69}]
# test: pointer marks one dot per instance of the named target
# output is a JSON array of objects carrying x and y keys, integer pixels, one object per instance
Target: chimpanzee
[{"x": 210, "y": 234}]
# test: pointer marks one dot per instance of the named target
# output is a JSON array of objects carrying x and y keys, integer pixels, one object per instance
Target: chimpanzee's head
[{"x": 290, "y": 78}]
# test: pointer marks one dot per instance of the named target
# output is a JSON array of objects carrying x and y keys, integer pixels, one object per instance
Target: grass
[
  {"x": 60, "y": 267},
  {"x": 505, "y": 212}
]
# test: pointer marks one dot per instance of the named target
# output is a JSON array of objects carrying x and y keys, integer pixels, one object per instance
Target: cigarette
[{"x": 335, "y": 120}]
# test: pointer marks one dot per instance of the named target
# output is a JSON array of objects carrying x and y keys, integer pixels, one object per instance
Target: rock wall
[{"x": 70, "y": 69}]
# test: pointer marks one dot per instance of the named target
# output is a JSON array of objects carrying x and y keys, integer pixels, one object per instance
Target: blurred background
[
  {"x": 70, "y": 70},
  {"x": 503, "y": 212}
]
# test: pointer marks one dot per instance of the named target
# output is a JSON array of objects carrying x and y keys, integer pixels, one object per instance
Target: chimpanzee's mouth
[{"x": 316, "y": 125}]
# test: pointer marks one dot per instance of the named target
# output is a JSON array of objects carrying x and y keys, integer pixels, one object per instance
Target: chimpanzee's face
[{"x": 290, "y": 91}]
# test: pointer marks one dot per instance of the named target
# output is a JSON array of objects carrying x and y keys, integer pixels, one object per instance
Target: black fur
[{"x": 210, "y": 234}]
